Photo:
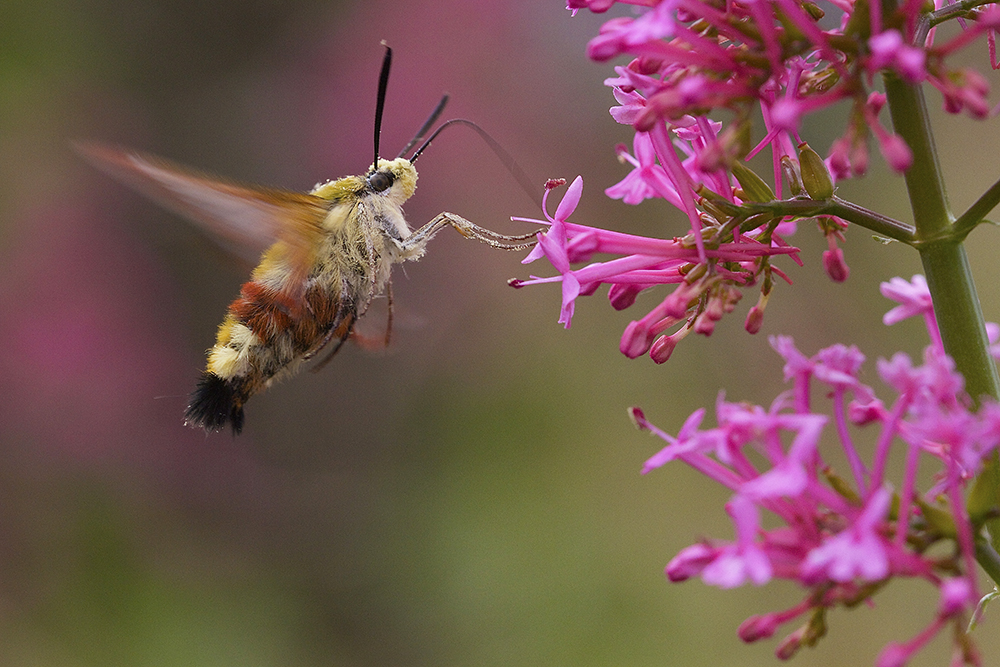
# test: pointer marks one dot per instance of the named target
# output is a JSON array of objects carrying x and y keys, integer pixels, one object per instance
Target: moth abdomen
[
  {"x": 216, "y": 402},
  {"x": 262, "y": 311}
]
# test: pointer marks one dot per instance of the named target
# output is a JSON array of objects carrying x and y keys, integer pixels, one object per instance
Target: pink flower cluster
[
  {"x": 693, "y": 57},
  {"x": 845, "y": 534},
  {"x": 709, "y": 269},
  {"x": 791, "y": 59}
]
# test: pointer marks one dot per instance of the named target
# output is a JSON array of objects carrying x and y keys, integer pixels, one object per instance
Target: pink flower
[
  {"x": 790, "y": 476},
  {"x": 636, "y": 186},
  {"x": 840, "y": 536},
  {"x": 691, "y": 58},
  {"x": 889, "y": 50},
  {"x": 856, "y": 553},
  {"x": 914, "y": 298},
  {"x": 744, "y": 561},
  {"x": 836, "y": 536},
  {"x": 553, "y": 245},
  {"x": 730, "y": 265}
]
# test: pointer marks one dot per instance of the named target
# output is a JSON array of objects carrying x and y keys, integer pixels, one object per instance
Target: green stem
[
  {"x": 977, "y": 212},
  {"x": 876, "y": 222},
  {"x": 945, "y": 263},
  {"x": 949, "y": 278},
  {"x": 959, "y": 316},
  {"x": 801, "y": 207},
  {"x": 923, "y": 180}
]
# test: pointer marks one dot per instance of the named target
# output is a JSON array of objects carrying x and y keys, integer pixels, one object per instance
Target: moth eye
[{"x": 380, "y": 181}]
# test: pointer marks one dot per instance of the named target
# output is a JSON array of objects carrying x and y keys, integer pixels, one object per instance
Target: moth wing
[{"x": 248, "y": 217}]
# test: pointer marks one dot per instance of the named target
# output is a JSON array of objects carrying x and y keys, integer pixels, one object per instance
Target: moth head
[{"x": 395, "y": 179}]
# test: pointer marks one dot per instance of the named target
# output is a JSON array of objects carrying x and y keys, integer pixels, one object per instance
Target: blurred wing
[{"x": 253, "y": 218}]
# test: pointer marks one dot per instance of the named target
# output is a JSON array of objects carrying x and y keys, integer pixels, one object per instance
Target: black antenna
[
  {"x": 505, "y": 157},
  {"x": 426, "y": 126},
  {"x": 383, "y": 83}
]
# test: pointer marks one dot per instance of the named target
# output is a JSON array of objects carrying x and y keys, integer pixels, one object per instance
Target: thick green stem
[
  {"x": 923, "y": 180},
  {"x": 959, "y": 316},
  {"x": 949, "y": 278},
  {"x": 945, "y": 263}
]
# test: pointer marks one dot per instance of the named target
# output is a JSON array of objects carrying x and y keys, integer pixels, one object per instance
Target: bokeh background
[{"x": 470, "y": 496}]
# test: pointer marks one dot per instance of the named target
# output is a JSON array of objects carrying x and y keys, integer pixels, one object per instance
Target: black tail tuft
[{"x": 214, "y": 403}]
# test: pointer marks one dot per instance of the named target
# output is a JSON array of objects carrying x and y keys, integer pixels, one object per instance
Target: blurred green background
[{"x": 470, "y": 496}]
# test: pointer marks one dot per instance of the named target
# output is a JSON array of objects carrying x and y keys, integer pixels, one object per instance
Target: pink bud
[
  {"x": 836, "y": 267},
  {"x": 790, "y": 645},
  {"x": 662, "y": 348},
  {"x": 690, "y": 562},
  {"x": 755, "y": 319},
  {"x": 635, "y": 339},
  {"x": 859, "y": 158},
  {"x": 677, "y": 304},
  {"x": 758, "y": 627},
  {"x": 638, "y": 418},
  {"x": 955, "y": 596},
  {"x": 839, "y": 162},
  {"x": 623, "y": 296},
  {"x": 896, "y": 152},
  {"x": 704, "y": 325},
  {"x": 866, "y": 413},
  {"x": 876, "y": 101},
  {"x": 894, "y": 655}
]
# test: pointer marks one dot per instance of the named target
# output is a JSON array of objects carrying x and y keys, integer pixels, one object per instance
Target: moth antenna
[
  {"x": 422, "y": 132},
  {"x": 383, "y": 83},
  {"x": 508, "y": 161}
]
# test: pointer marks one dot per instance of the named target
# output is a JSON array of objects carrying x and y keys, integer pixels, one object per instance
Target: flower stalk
[{"x": 943, "y": 256}]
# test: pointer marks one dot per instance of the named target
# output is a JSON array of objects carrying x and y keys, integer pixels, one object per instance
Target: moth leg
[
  {"x": 344, "y": 329},
  {"x": 374, "y": 342},
  {"x": 469, "y": 230},
  {"x": 341, "y": 328},
  {"x": 372, "y": 273},
  {"x": 388, "y": 318},
  {"x": 336, "y": 348}
]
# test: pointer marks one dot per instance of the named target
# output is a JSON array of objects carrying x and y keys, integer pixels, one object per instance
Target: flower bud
[
  {"x": 955, "y": 596},
  {"x": 790, "y": 170},
  {"x": 704, "y": 324},
  {"x": 758, "y": 627},
  {"x": 755, "y": 319},
  {"x": 690, "y": 562},
  {"x": 790, "y": 645},
  {"x": 896, "y": 152},
  {"x": 638, "y": 418},
  {"x": 754, "y": 187},
  {"x": 836, "y": 267},
  {"x": 635, "y": 339},
  {"x": 662, "y": 348},
  {"x": 894, "y": 655},
  {"x": 865, "y": 413},
  {"x": 623, "y": 295},
  {"x": 815, "y": 177}
]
